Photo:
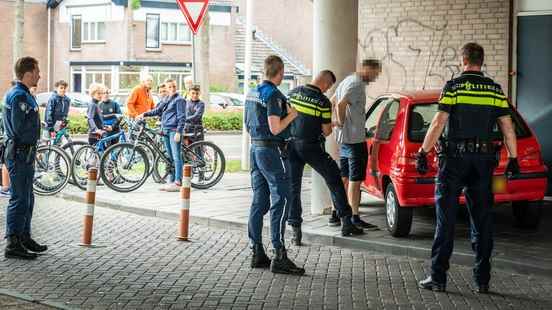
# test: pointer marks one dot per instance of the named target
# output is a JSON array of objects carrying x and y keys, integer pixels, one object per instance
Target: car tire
[
  {"x": 527, "y": 214},
  {"x": 399, "y": 219}
]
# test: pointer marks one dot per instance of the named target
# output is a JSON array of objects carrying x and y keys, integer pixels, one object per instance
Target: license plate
[{"x": 499, "y": 184}]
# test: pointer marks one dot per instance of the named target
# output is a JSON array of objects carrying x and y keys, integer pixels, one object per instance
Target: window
[
  {"x": 76, "y": 32},
  {"x": 372, "y": 117},
  {"x": 152, "y": 31},
  {"x": 388, "y": 119},
  {"x": 93, "y": 32},
  {"x": 175, "y": 33}
]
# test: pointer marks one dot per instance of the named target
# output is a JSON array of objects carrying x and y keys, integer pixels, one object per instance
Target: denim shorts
[{"x": 353, "y": 161}]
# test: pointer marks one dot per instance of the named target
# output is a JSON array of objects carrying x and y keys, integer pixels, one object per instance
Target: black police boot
[
  {"x": 297, "y": 236},
  {"x": 431, "y": 285},
  {"x": 483, "y": 289},
  {"x": 32, "y": 245},
  {"x": 15, "y": 249},
  {"x": 334, "y": 219},
  {"x": 282, "y": 264},
  {"x": 348, "y": 229},
  {"x": 259, "y": 258}
]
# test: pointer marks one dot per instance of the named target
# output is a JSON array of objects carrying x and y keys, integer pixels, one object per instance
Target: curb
[
  {"x": 460, "y": 258},
  {"x": 30, "y": 299}
]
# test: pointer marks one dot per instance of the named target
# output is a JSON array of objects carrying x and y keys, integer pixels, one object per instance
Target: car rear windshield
[{"x": 417, "y": 131}]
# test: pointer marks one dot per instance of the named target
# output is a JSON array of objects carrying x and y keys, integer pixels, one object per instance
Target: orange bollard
[
  {"x": 185, "y": 203},
  {"x": 90, "y": 200}
]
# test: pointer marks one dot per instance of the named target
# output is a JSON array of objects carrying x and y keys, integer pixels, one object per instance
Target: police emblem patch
[{"x": 24, "y": 106}]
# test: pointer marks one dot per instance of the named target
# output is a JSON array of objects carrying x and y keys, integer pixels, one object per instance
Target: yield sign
[{"x": 193, "y": 10}]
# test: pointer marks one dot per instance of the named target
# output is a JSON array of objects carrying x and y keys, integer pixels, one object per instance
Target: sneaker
[
  {"x": 360, "y": 223},
  {"x": 5, "y": 194},
  {"x": 172, "y": 188},
  {"x": 282, "y": 264},
  {"x": 334, "y": 220}
]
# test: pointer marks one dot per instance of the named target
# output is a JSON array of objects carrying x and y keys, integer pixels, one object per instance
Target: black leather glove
[
  {"x": 421, "y": 162},
  {"x": 512, "y": 168}
]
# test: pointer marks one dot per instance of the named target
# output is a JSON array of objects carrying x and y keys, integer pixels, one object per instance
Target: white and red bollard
[
  {"x": 90, "y": 200},
  {"x": 185, "y": 190}
]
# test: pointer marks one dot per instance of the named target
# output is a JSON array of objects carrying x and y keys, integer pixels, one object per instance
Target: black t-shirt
[
  {"x": 314, "y": 109},
  {"x": 474, "y": 103}
]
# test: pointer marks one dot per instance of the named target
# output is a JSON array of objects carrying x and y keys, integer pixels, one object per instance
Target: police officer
[
  {"x": 469, "y": 108},
  {"x": 267, "y": 119},
  {"x": 22, "y": 129},
  {"x": 309, "y": 130}
]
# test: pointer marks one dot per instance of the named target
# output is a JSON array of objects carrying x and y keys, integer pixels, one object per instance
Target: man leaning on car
[{"x": 469, "y": 108}]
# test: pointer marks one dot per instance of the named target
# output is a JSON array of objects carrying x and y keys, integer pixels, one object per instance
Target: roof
[
  {"x": 417, "y": 96},
  {"x": 214, "y": 5},
  {"x": 262, "y": 47}
]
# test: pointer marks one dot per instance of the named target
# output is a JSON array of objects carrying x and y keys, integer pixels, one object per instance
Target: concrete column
[{"x": 335, "y": 25}]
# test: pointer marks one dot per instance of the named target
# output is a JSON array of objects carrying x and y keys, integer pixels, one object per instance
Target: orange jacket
[{"x": 139, "y": 101}]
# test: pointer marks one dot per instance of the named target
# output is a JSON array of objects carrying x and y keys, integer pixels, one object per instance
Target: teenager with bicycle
[
  {"x": 96, "y": 126},
  {"x": 111, "y": 111},
  {"x": 57, "y": 108},
  {"x": 195, "y": 108},
  {"x": 173, "y": 115}
]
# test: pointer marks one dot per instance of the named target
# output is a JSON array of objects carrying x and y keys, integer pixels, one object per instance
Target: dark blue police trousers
[
  {"x": 20, "y": 208},
  {"x": 471, "y": 173}
]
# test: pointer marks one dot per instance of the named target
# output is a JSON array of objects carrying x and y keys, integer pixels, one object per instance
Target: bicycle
[
  {"x": 207, "y": 159},
  {"x": 52, "y": 169},
  {"x": 120, "y": 164},
  {"x": 70, "y": 146}
]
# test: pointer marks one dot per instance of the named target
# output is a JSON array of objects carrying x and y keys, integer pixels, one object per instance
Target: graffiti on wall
[{"x": 414, "y": 55}]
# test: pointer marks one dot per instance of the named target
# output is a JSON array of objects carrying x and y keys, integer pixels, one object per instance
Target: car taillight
[
  {"x": 531, "y": 160},
  {"x": 408, "y": 164}
]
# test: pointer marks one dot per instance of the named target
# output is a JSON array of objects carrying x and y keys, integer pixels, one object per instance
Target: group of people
[
  {"x": 181, "y": 121},
  {"x": 288, "y": 132}
]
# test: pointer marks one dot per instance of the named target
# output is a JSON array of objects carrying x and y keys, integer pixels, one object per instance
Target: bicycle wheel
[
  {"x": 70, "y": 149},
  {"x": 162, "y": 168},
  {"x": 124, "y": 167},
  {"x": 52, "y": 169},
  {"x": 151, "y": 157},
  {"x": 84, "y": 159},
  {"x": 208, "y": 163}
]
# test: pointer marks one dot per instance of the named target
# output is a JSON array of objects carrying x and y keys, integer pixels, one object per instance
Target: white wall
[
  {"x": 91, "y": 10},
  {"x": 535, "y": 5},
  {"x": 176, "y": 16}
]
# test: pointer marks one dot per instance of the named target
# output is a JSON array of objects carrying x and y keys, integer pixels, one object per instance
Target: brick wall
[
  {"x": 35, "y": 40},
  {"x": 419, "y": 40}
]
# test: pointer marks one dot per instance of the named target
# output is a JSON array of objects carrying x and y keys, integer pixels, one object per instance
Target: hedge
[{"x": 221, "y": 121}]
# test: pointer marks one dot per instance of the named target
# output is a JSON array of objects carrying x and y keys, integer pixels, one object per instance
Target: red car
[{"x": 396, "y": 125}]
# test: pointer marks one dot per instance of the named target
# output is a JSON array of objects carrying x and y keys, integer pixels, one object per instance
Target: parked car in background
[
  {"x": 396, "y": 125},
  {"x": 79, "y": 102},
  {"x": 221, "y": 102}
]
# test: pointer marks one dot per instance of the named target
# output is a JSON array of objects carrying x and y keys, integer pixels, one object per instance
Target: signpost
[{"x": 194, "y": 11}]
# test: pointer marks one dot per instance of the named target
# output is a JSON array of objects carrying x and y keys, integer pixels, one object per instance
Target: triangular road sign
[{"x": 193, "y": 11}]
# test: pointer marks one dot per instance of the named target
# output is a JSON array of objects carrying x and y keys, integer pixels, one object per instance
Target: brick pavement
[
  {"x": 227, "y": 206},
  {"x": 143, "y": 267},
  {"x": 11, "y": 303}
]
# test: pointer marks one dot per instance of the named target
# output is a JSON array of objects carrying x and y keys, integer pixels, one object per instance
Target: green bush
[{"x": 219, "y": 121}]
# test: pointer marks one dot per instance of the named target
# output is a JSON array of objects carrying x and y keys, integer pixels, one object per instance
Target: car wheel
[
  {"x": 527, "y": 214},
  {"x": 399, "y": 219}
]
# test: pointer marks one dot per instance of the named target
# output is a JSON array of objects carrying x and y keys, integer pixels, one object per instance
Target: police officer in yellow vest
[{"x": 470, "y": 107}]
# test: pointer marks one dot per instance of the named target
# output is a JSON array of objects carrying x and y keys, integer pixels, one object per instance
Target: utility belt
[
  {"x": 28, "y": 150},
  {"x": 469, "y": 146},
  {"x": 282, "y": 146}
]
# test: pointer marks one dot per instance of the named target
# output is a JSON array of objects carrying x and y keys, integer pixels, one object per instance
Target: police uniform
[
  {"x": 270, "y": 172},
  {"x": 22, "y": 130},
  {"x": 270, "y": 177},
  {"x": 314, "y": 110},
  {"x": 467, "y": 160}
]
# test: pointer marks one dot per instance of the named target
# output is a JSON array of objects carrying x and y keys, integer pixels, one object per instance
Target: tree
[
  {"x": 203, "y": 65},
  {"x": 18, "y": 30},
  {"x": 131, "y": 6}
]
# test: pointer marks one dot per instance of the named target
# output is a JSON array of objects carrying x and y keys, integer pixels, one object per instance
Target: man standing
[
  {"x": 309, "y": 130},
  {"x": 22, "y": 129},
  {"x": 267, "y": 119},
  {"x": 350, "y": 97},
  {"x": 469, "y": 108},
  {"x": 140, "y": 100}
]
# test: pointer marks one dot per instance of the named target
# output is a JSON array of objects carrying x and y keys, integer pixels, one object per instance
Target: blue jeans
[
  {"x": 473, "y": 171},
  {"x": 173, "y": 150},
  {"x": 270, "y": 180},
  {"x": 20, "y": 208}
]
